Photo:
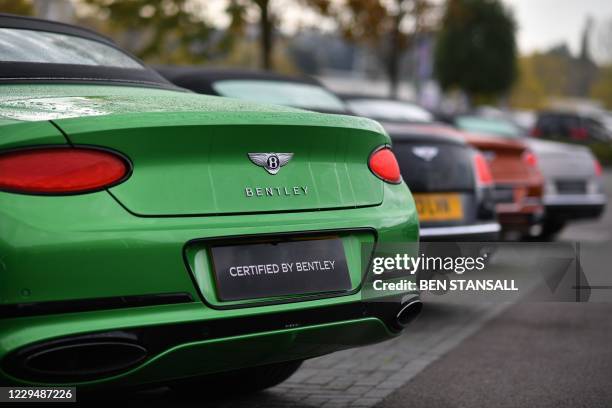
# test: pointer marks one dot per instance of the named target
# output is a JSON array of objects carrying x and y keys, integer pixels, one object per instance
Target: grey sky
[{"x": 543, "y": 23}]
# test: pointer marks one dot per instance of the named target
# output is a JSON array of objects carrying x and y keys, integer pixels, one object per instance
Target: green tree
[
  {"x": 476, "y": 48},
  {"x": 160, "y": 31},
  {"x": 386, "y": 27},
  {"x": 21, "y": 7}
]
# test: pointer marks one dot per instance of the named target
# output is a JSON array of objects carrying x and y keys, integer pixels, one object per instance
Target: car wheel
[{"x": 243, "y": 381}]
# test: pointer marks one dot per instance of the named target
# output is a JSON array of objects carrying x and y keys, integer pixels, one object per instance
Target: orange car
[{"x": 518, "y": 183}]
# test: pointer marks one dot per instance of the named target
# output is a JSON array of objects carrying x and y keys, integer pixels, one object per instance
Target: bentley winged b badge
[
  {"x": 272, "y": 162},
  {"x": 426, "y": 153}
]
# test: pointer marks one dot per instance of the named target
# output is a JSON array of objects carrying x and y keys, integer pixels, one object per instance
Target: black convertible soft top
[
  {"x": 201, "y": 79},
  {"x": 42, "y": 72}
]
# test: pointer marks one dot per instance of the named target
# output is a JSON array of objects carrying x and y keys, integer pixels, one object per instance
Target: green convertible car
[{"x": 149, "y": 235}]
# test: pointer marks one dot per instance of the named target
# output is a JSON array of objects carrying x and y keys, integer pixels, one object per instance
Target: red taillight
[
  {"x": 482, "y": 169},
  {"x": 579, "y": 133},
  {"x": 536, "y": 132},
  {"x": 61, "y": 170},
  {"x": 530, "y": 159},
  {"x": 384, "y": 165},
  {"x": 598, "y": 168}
]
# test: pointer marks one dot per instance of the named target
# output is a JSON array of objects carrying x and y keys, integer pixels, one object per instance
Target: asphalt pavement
[
  {"x": 533, "y": 354},
  {"x": 459, "y": 354}
]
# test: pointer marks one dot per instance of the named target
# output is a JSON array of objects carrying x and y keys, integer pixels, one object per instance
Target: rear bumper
[
  {"x": 520, "y": 217},
  {"x": 180, "y": 344},
  {"x": 574, "y": 206},
  {"x": 520, "y": 222},
  {"x": 474, "y": 233}
]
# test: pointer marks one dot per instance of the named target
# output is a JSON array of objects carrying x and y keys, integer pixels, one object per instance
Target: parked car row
[
  {"x": 572, "y": 175},
  {"x": 466, "y": 172},
  {"x": 450, "y": 181},
  {"x": 149, "y": 233}
]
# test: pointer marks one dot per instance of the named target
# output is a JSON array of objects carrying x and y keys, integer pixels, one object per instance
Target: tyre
[{"x": 243, "y": 381}]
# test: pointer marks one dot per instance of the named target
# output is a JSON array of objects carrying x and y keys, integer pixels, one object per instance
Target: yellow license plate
[{"x": 439, "y": 207}]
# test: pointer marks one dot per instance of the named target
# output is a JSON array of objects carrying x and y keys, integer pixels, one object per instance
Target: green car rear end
[{"x": 122, "y": 286}]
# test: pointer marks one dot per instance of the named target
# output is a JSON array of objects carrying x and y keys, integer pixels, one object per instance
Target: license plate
[
  {"x": 249, "y": 271},
  {"x": 438, "y": 207},
  {"x": 571, "y": 187}
]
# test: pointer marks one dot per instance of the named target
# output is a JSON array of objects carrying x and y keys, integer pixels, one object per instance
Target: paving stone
[
  {"x": 358, "y": 389},
  {"x": 378, "y": 393},
  {"x": 365, "y": 402},
  {"x": 390, "y": 384},
  {"x": 315, "y": 400},
  {"x": 334, "y": 404},
  {"x": 319, "y": 379},
  {"x": 339, "y": 384}
]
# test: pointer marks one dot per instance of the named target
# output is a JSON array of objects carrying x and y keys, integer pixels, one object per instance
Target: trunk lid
[
  {"x": 190, "y": 152},
  {"x": 430, "y": 166},
  {"x": 563, "y": 161},
  {"x": 197, "y": 163},
  {"x": 504, "y": 157}
]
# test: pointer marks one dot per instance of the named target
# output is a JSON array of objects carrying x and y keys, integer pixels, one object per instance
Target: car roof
[
  {"x": 37, "y": 24},
  {"x": 568, "y": 113},
  {"x": 348, "y": 96},
  {"x": 424, "y": 132},
  {"x": 42, "y": 72},
  {"x": 201, "y": 79},
  {"x": 352, "y": 96}
]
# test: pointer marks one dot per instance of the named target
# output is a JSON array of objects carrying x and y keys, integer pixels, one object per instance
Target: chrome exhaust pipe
[{"x": 408, "y": 312}]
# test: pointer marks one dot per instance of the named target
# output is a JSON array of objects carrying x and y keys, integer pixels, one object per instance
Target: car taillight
[
  {"x": 579, "y": 133},
  {"x": 536, "y": 132},
  {"x": 60, "y": 170},
  {"x": 384, "y": 165},
  {"x": 598, "y": 168},
  {"x": 483, "y": 171},
  {"x": 530, "y": 159}
]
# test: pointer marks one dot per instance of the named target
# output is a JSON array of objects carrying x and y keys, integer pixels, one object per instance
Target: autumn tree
[
  {"x": 239, "y": 11},
  {"x": 476, "y": 48},
  {"x": 602, "y": 87},
  {"x": 387, "y": 27},
  {"x": 21, "y": 7},
  {"x": 528, "y": 91},
  {"x": 163, "y": 31}
]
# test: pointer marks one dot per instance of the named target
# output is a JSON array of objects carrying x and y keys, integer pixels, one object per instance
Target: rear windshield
[
  {"x": 489, "y": 126},
  {"x": 293, "y": 94},
  {"x": 19, "y": 45},
  {"x": 394, "y": 111},
  {"x": 435, "y": 167}
]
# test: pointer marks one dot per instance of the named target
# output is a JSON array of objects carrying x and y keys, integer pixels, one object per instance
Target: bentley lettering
[{"x": 275, "y": 191}]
